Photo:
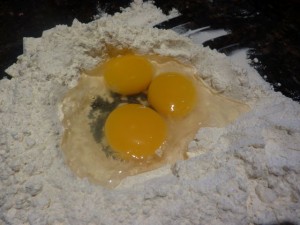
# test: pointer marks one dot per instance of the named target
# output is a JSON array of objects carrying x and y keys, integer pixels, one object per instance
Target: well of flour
[
  {"x": 244, "y": 173},
  {"x": 88, "y": 106}
]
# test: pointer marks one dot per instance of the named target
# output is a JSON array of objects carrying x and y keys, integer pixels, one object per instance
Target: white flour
[{"x": 245, "y": 173}]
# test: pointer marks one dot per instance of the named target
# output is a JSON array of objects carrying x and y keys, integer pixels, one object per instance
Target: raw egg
[
  {"x": 136, "y": 113},
  {"x": 128, "y": 74},
  {"x": 172, "y": 94},
  {"x": 135, "y": 131}
]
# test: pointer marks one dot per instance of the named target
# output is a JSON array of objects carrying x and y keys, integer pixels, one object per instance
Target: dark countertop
[{"x": 270, "y": 28}]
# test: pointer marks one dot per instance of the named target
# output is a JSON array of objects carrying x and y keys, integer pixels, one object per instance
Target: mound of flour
[{"x": 245, "y": 173}]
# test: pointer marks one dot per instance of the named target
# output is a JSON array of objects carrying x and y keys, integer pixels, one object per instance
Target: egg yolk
[
  {"x": 135, "y": 131},
  {"x": 128, "y": 74},
  {"x": 172, "y": 94}
]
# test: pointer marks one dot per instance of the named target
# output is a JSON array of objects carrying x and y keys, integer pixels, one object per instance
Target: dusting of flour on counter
[{"x": 245, "y": 173}]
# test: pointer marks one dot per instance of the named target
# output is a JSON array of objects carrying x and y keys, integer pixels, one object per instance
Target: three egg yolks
[
  {"x": 128, "y": 74},
  {"x": 135, "y": 131}
]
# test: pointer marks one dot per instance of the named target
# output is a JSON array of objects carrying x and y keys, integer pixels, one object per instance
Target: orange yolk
[
  {"x": 128, "y": 74},
  {"x": 135, "y": 131},
  {"x": 172, "y": 94}
]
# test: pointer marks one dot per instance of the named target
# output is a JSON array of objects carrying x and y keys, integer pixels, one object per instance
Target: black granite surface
[{"x": 270, "y": 28}]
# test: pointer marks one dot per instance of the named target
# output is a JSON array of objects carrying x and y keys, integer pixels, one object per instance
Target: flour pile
[{"x": 245, "y": 173}]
